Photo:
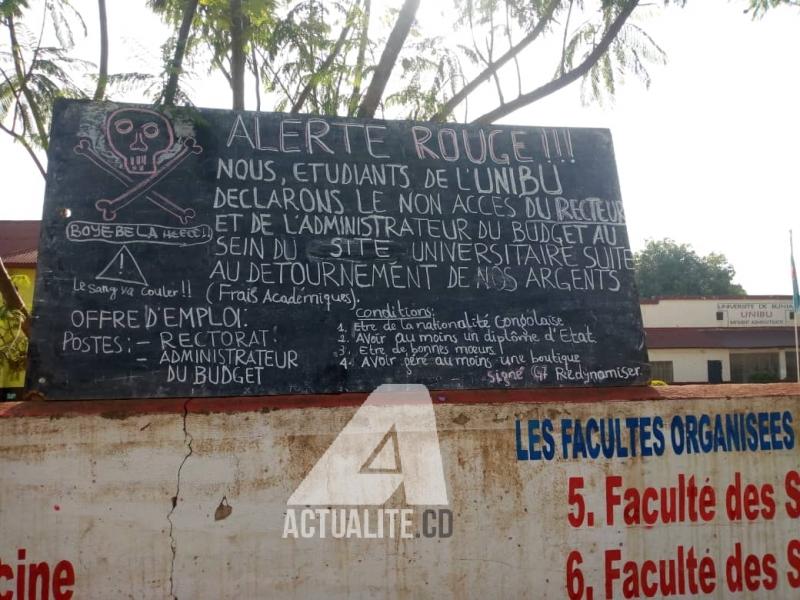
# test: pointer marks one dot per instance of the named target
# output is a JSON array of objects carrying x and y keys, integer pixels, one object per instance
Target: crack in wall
[{"x": 187, "y": 440}]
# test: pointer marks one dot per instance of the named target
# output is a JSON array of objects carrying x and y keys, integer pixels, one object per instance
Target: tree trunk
[
  {"x": 388, "y": 59},
  {"x": 359, "y": 69},
  {"x": 237, "y": 54},
  {"x": 254, "y": 60},
  {"x": 313, "y": 78},
  {"x": 25, "y": 144},
  {"x": 19, "y": 69},
  {"x": 176, "y": 66},
  {"x": 102, "y": 75}
]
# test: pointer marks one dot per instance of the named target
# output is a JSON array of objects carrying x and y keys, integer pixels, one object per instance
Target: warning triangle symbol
[
  {"x": 385, "y": 458},
  {"x": 123, "y": 268}
]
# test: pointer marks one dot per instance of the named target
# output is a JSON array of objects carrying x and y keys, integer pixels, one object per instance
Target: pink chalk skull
[{"x": 139, "y": 137}]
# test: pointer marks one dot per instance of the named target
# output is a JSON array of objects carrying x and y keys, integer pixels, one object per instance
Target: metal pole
[
  {"x": 796, "y": 353},
  {"x": 794, "y": 311}
]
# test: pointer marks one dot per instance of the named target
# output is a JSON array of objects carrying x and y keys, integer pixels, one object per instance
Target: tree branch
[
  {"x": 566, "y": 78},
  {"x": 359, "y": 68},
  {"x": 176, "y": 65},
  {"x": 102, "y": 75},
  {"x": 221, "y": 66},
  {"x": 11, "y": 297},
  {"x": 20, "y": 71},
  {"x": 511, "y": 45},
  {"x": 499, "y": 88},
  {"x": 257, "y": 78},
  {"x": 237, "y": 53},
  {"x": 18, "y": 114},
  {"x": 27, "y": 147},
  {"x": 16, "y": 136},
  {"x": 276, "y": 78},
  {"x": 391, "y": 51},
  {"x": 564, "y": 39},
  {"x": 326, "y": 64},
  {"x": 461, "y": 95}
]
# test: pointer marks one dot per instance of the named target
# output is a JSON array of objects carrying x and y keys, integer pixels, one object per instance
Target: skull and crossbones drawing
[{"x": 139, "y": 137}]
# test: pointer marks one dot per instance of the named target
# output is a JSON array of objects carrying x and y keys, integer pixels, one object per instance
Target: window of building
[
  {"x": 714, "y": 371},
  {"x": 755, "y": 367},
  {"x": 662, "y": 369},
  {"x": 720, "y": 316},
  {"x": 791, "y": 366}
]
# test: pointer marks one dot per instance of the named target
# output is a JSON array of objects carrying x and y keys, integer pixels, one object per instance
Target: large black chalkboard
[{"x": 192, "y": 252}]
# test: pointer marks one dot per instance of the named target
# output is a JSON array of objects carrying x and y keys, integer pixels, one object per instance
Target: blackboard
[{"x": 194, "y": 252}]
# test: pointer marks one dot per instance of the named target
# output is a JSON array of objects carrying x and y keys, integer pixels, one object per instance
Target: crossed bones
[{"x": 109, "y": 208}]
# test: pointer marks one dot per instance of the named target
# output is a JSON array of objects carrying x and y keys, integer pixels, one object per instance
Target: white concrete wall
[
  {"x": 690, "y": 365},
  {"x": 97, "y": 491},
  {"x": 680, "y": 313},
  {"x": 760, "y": 312}
]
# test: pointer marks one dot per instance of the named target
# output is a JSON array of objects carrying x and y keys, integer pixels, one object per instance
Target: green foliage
[
  {"x": 285, "y": 45},
  {"x": 304, "y": 51},
  {"x": 318, "y": 56},
  {"x": 429, "y": 73},
  {"x": 666, "y": 268},
  {"x": 213, "y": 24},
  {"x": 294, "y": 44},
  {"x": 497, "y": 26},
  {"x": 763, "y": 377},
  {"x": 305, "y": 54},
  {"x": 759, "y": 7},
  {"x": 13, "y": 342},
  {"x": 12, "y": 8},
  {"x": 33, "y": 74},
  {"x": 632, "y": 52},
  {"x": 50, "y": 75}
]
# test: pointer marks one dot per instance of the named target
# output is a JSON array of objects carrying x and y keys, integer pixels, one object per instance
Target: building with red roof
[
  {"x": 737, "y": 339},
  {"x": 19, "y": 243}
]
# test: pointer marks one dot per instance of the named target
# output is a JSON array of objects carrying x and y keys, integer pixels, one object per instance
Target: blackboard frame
[{"x": 72, "y": 230}]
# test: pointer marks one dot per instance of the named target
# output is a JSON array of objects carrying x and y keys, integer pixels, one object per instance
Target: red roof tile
[
  {"x": 731, "y": 337},
  {"x": 19, "y": 241},
  {"x": 22, "y": 259},
  {"x": 657, "y": 299}
]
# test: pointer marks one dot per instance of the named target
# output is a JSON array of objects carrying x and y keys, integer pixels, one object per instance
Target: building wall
[
  {"x": 189, "y": 499},
  {"x": 781, "y": 352},
  {"x": 747, "y": 312},
  {"x": 690, "y": 365}
]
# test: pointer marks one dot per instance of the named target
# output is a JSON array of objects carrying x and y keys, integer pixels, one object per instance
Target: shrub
[{"x": 763, "y": 377}]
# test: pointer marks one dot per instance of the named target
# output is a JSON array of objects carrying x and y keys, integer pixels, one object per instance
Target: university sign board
[
  {"x": 404, "y": 494},
  {"x": 757, "y": 314},
  {"x": 191, "y": 252}
]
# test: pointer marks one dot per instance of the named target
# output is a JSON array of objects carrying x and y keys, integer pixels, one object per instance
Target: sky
[{"x": 708, "y": 155}]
